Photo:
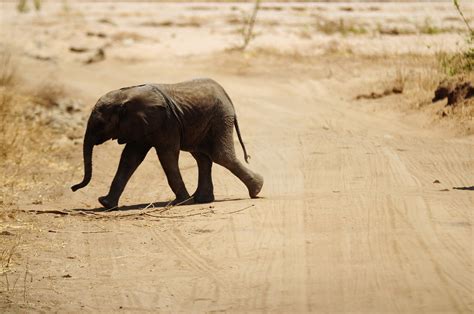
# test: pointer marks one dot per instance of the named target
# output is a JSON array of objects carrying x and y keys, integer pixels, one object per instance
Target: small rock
[
  {"x": 78, "y": 49},
  {"x": 436, "y": 181},
  {"x": 96, "y": 34},
  {"x": 98, "y": 56},
  {"x": 6, "y": 233}
]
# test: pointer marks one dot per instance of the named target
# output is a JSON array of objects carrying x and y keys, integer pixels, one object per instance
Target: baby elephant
[{"x": 195, "y": 116}]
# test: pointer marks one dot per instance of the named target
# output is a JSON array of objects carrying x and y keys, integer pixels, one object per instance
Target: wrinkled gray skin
[{"x": 195, "y": 116}]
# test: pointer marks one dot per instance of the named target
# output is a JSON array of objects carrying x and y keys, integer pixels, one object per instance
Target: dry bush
[
  {"x": 346, "y": 9},
  {"x": 166, "y": 23},
  {"x": 7, "y": 253},
  {"x": 298, "y": 9},
  {"x": 233, "y": 20},
  {"x": 395, "y": 84},
  {"x": 271, "y": 8},
  {"x": 340, "y": 26},
  {"x": 456, "y": 63},
  {"x": 202, "y": 8},
  {"x": 192, "y": 21},
  {"x": 106, "y": 21},
  {"x": 395, "y": 31},
  {"x": 22, "y": 6},
  {"x": 334, "y": 47},
  {"x": 399, "y": 80},
  {"x": 429, "y": 28},
  {"x": 275, "y": 53},
  {"x": 32, "y": 122},
  {"x": 461, "y": 62},
  {"x": 121, "y": 36},
  {"x": 49, "y": 94},
  {"x": 8, "y": 78},
  {"x": 247, "y": 31},
  {"x": 18, "y": 144}
]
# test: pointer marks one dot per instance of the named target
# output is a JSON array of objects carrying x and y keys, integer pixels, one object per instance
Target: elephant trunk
[{"x": 87, "y": 153}]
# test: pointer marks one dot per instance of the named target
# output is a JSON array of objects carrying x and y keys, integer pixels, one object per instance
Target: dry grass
[
  {"x": 193, "y": 21},
  {"x": 457, "y": 63},
  {"x": 299, "y": 9},
  {"x": 247, "y": 30},
  {"x": 341, "y": 26},
  {"x": 27, "y": 140},
  {"x": 124, "y": 35},
  {"x": 394, "y": 84},
  {"x": 271, "y": 8},
  {"x": 387, "y": 29},
  {"x": 203, "y": 8},
  {"x": 19, "y": 149},
  {"x": 8, "y": 68},
  {"x": 429, "y": 28},
  {"x": 278, "y": 54},
  {"x": 49, "y": 94},
  {"x": 8, "y": 252}
]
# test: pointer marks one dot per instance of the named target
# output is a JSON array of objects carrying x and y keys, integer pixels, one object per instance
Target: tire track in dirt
[{"x": 175, "y": 242}]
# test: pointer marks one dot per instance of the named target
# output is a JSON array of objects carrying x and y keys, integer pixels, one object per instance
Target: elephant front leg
[
  {"x": 132, "y": 156},
  {"x": 169, "y": 162},
  {"x": 205, "y": 189}
]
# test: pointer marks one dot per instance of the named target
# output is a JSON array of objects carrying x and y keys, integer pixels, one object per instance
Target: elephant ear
[{"x": 139, "y": 117}]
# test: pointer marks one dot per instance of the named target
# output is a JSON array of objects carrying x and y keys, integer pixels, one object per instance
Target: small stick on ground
[
  {"x": 24, "y": 281},
  {"x": 242, "y": 209}
]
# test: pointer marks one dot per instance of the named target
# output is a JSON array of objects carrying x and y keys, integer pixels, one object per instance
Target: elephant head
[{"x": 129, "y": 114}]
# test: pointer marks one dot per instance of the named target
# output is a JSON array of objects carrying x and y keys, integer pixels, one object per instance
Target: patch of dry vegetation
[
  {"x": 417, "y": 84},
  {"x": 193, "y": 21},
  {"x": 247, "y": 30},
  {"x": 32, "y": 123},
  {"x": 341, "y": 26},
  {"x": 124, "y": 36},
  {"x": 455, "y": 86},
  {"x": 15, "y": 277},
  {"x": 440, "y": 86}
]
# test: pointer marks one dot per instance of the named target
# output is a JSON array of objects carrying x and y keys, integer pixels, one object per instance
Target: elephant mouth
[
  {"x": 121, "y": 140},
  {"x": 101, "y": 140}
]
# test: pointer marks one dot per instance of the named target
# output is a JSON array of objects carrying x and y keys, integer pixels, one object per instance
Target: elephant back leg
[
  {"x": 205, "y": 189},
  {"x": 223, "y": 153},
  {"x": 132, "y": 156}
]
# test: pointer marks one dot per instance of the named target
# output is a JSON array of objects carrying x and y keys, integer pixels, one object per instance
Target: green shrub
[
  {"x": 22, "y": 6},
  {"x": 461, "y": 61}
]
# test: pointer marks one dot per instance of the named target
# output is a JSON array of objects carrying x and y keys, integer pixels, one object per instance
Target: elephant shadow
[
  {"x": 145, "y": 205},
  {"x": 122, "y": 208}
]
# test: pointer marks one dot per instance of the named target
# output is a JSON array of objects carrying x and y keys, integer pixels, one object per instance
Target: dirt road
[{"x": 349, "y": 219}]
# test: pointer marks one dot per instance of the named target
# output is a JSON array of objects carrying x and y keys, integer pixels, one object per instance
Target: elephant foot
[
  {"x": 108, "y": 204},
  {"x": 255, "y": 186},
  {"x": 202, "y": 198},
  {"x": 182, "y": 201}
]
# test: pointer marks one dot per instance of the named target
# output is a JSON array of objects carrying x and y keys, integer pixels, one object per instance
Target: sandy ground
[{"x": 367, "y": 205}]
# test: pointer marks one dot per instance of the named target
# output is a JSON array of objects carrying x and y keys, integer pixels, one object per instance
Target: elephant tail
[
  {"x": 236, "y": 123},
  {"x": 246, "y": 156}
]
